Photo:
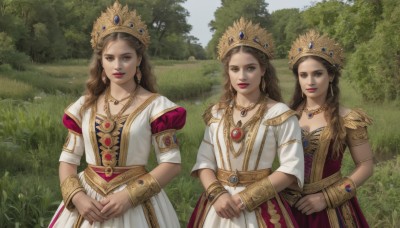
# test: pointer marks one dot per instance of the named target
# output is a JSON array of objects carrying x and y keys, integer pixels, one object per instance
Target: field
[{"x": 31, "y": 136}]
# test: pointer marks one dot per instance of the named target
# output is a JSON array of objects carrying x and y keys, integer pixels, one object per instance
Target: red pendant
[
  {"x": 107, "y": 125},
  {"x": 237, "y": 134}
]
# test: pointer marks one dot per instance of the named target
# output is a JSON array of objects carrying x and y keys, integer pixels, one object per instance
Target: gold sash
[{"x": 241, "y": 178}]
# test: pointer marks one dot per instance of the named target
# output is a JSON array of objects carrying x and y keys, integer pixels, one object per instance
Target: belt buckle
[{"x": 233, "y": 179}]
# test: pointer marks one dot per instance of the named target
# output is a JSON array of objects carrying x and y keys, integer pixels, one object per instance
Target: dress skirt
[
  {"x": 140, "y": 216},
  {"x": 272, "y": 213}
]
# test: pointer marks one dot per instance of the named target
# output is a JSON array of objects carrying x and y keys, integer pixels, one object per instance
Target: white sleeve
[
  {"x": 290, "y": 149},
  {"x": 73, "y": 149},
  {"x": 166, "y": 146},
  {"x": 205, "y": 155}
]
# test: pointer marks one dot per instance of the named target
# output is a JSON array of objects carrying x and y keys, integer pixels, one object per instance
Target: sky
[{"x": 202, "y": 12}]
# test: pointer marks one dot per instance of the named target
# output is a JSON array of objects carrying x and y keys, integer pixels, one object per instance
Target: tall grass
[{"x": 15, "y": 89}]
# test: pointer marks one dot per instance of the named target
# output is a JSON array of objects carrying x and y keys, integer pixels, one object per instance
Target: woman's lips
[
  {"x": 243, "y": 85},
  {"x": 311, "y": 90},
  {"x": 118, "y": 75}
]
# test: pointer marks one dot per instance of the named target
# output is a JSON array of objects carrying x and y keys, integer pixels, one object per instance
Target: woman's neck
[
  {"x": 121, "y": 91},
  {"x": 248, "y": 99}
]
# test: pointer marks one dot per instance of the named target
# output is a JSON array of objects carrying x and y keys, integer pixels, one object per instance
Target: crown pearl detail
[
  {"x": 314, "y": 44},
  {"x": 119, "y": 19},
  {"x": 245, "y": 33}
]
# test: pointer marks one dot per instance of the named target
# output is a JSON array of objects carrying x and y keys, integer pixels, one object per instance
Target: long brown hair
[
  {"x": 270, "y": 79},
  {"x": 336, "y": 133},
  {"x": 95, "y": 85}
]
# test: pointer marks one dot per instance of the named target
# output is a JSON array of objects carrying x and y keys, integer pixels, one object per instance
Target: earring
[
  {"x": 138, "y": 74},
  {"x": 263, "y": 85},
  {"x": 330, "y": 85}
]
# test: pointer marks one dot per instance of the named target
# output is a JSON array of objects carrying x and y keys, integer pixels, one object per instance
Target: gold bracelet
[
  {"x": 142, "y": 189},
  {"x": 257, "y": 193},
  {"x": 214, "y": 191},
  {"x": 340, "y": 192},
  {"x": 69, "y": 187}
]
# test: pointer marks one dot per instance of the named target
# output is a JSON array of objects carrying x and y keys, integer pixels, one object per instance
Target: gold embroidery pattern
[
  {"x": 278, "y": 120},
  {"x": 208, "y": 117},
  {"x": 109, "y": 141},
  {"x": 66, "y": 144},
  {"x": 275, "y": 217},
  {"x": 257, "y": 193},
  {"x": 69, "y": 187},
  {"x": 311, "y": 140},
  {"x": 150, "y": 214},
  {"x": 166, "y": 140},
  {"x": 103, "y": 187},
  {"x": 292, "y": 141}
]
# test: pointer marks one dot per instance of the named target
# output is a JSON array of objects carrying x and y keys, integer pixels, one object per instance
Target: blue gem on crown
[
  {"x": 241, "y": 35},
  {"x": 311, "y": 45},
  {"x": 116, "y": 19}
]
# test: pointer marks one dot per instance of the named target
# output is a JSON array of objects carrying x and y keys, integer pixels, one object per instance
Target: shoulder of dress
[
  {"x": 281, "y": 114},
  {"x": 356, "y": 118},
  {"x": 73, "y": 110},
  {"x": 210, "y": 115}
]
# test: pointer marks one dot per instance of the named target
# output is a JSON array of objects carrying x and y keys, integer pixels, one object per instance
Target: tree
[
  {"x": 231, "y": 10},
  {"x": 287, "y": 24}
]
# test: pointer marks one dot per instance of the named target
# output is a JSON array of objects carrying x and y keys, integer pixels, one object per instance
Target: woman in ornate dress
[
  {"x": 115, "y": 125},
  {"x": 328, "y": 199},
  {"x": 245, "y": 131}
]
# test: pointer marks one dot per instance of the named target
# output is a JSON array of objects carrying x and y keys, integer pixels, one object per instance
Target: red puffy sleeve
[
  {"x": 71, "y": 124},
  {"x": 174, "y": 119}
]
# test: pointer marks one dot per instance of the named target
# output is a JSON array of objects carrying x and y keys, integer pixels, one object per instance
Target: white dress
[
  {"x": 136, "y": 139},
  {"x": 277, "y": 133}
]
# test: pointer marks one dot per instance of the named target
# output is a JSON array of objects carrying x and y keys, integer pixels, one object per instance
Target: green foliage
[
  {"x": 49, "y": 30},
  {"x": 231, "y": 10},
  {"x": 15, "y": 89},
  {"x": 287, "y": 24},
  {"x": 379, "y": 196},
  {"x": 375, "y": 66},
  {"x": 8, "y": 54}
]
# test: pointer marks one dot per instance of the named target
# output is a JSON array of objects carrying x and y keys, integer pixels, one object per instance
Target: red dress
[{"x": 320, "y": 165}]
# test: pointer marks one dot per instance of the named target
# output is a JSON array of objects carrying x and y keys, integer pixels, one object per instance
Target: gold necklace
[
  {"x": 116, "y": 101},
  {"x": 244, "y": 110},
  {"x": 311, "y": 113},
  {"x": 238, "y": 132}
]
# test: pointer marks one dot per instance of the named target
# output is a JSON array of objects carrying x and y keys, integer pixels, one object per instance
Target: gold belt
[
  {"x": 321, "y": 184},
  {"x": 241, "y": 178},
  {"x": 103, "y": 187}
]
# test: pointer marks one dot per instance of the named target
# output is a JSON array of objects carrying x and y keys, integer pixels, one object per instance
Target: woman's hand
[
  {"x": 89, "y": 208},
  {"x": 311, "y": 203},
  {"x": 116, "y": 204},
  {"x": 226, "y": 206}
]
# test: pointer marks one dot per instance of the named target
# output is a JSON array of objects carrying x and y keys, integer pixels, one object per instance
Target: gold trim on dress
[
  {"x": 67, "y": 140},
  {"x": 92, "y": 133},
  {"x": 73, "y": 117},
  {"x": 208, "y": 117},
  {"x": 221, "y": 156},
  {"x": 207, "y": 142},
  {"x": 278, "y": 120},
  {"x": 123, "y": 152},
  {"x": 150, "y": 214},
  {"x": 288, "y": 143},
  {"x": 264, "y": 139},
  {"x": 320, "y": 156},
  {"x": 288, "y": 219},
  {"x": 103, "y": 187},
  {"x": 241, "y": 178},
  {"x": 317, "y": 186}
]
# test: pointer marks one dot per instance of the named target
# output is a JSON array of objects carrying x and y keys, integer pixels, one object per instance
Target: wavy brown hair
[
  {"x": 95, "y": 86},
  {"x": 271, "y": 80},
  {"x": 336, "y": 133}
]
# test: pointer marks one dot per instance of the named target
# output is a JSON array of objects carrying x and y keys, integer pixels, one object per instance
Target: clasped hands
[
  {"x": 112, "y": 206},
  {"x": 228, "y": 206}
]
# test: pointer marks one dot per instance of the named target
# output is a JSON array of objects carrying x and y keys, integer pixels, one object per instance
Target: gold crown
[
  {"x": 313, "y": 43},
  {"x": 119, "y": 19},
  {"x": 247, "y": 34}
]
